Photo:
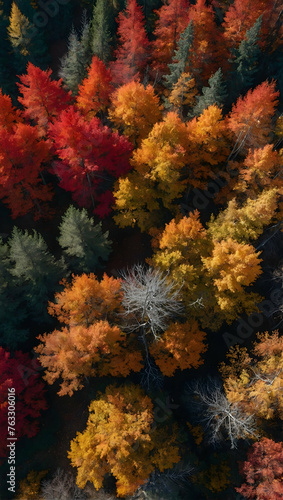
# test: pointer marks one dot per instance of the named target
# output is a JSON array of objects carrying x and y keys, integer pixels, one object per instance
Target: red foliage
[
  {"x": 90, "y": 154},
  {"x": 43, "y": 98},
  {"x": 241, "y": 16},
  {"x": 22, "y": 374},
  {"x": 263, "y": 471},
  {"x": 9, "y": 115},
  {"x": 22, "y": 155},
  {"x": 132, "y": 53},
  {"x": 173, "y": 19},
  {"x": 95, "y": 89}
]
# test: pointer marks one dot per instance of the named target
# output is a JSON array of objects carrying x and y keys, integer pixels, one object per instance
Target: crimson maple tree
[
  {"x": 21, "y": 374},
  {"x": 90, "y": 157},
  {"x": 23, "y": 156},
  {"x": 43, "y": 98},
  {"x": 9, "y": 115}
]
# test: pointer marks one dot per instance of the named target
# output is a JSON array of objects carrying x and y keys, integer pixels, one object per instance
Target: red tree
[
  {"x": 209, "y": 50},
  {"x": 173, "y": 19},
  {"x": 242, "y": 14},
  {"x": 90, "y": 155},
  {"x": 23, "y": 155},
  {"x": 132, "y": 53},
  {"x": 250, "y": 118},
  {"x": 95, "y": 89},
  {"x": 43, "y": 98},
  {"x": 22, "y": 374},
  {"x": 263, "y": 471}
]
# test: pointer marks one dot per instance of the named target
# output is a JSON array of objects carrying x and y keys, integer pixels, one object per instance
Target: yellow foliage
[
  {"x": 29, "y": 488},
  {"x": 197, "y": 432},
  {"x": 19, "y": 30},
  {"x": 184, "y": 91}
]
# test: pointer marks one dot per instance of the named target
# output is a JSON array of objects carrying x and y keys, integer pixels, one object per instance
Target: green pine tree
[
  {"x": 36, "y": 271},
  {"x": 100, "y": 30},
  {"x": 246, "y": 61},
  {"x": 83, "y": 242},
  {"x": 214, "y": 94},
  {"x": 180, "y": 58},
  {"x": 12, "y": 309},
  {"x": 72, "y": 69},
  {"x": 85, "y": 42}
]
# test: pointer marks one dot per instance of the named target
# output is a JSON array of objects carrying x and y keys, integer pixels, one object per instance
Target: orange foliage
[
  {"x": 9, "y": 115},
  {"x": 180, "y": 347}
]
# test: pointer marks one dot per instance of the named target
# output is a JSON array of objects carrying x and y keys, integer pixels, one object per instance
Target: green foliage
[
  {"x": 82, "y": 241},
  {"x": 100, "y": 35},
  {"x": 214, "y": 94},
  {"x": 36, "y": 271},
  {"x": 247, "y": 59},
  {"x": 181, "y": 56}
]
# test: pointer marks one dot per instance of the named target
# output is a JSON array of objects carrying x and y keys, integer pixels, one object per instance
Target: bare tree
[
  {"x": 150, "y": 300},
  {"x": 222, "y": 418},
  {"x": 62, "y": 486}
]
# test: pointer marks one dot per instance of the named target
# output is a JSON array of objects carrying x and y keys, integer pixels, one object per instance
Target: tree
[
  {"x": 130, "y": 455},
  {"x": 242, "y": 15},
  {"x": 73, "y": 68},
  {"x": 183, "y": 92},
  {"x": 29, "y": 488},
  {"x": 208, "y": 51},
  {"x": 222, "y": 419},
  {"x": 247, "y": 59},
  {"x": 61, "y": 485},
  {"x": 256, "y": 382},
  {"x": 180, "y": 58},
  {"x": 179, "y": 347},
  {"x": 245, "y": 222},
  {"x": 23, "y": 155},
  {"x": 90, "y": 154},
  {"x": 35, "y": 269},
  {"x": 208, "y": 146},
  {"x": 43, "y": 99},
  {"x": 100, "y": 35},
  {"x": 212, "y": 276},
  {"x": 214, "y": 94},
  {"x": 86, "y": 300},
  {"x": 135, "y": 109},
  {"x": 76, "y": 352},
  {"x": 161, "y": 160},
  {"x": 263, "y": 471},
  {"x": 82, "y": 241},
  {"x": 21, "y": 375},
  {"x": 172, "y": 20},
  {"x": 94, "y": 91},
  {"x": 19, "y": 32},
  {"x": 250, "y": 118},
  {"x": 133, "y": 45},
  {"x": 12, "y": 308}
]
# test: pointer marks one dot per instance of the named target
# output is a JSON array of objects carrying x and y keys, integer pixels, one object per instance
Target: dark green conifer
[
  {"x": 214, "y": 94},
  {"x": 100, "y": 30},
  {"x": 181, "y": 56},
  {"x": 83, "y": 242}
]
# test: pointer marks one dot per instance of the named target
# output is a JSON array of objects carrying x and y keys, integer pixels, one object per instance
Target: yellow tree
[
  {"x": 135, "y": 109},
  {"x": 159, "y": 164},
  {"x": 19, "y": 31},
  {"x": 212, "y": 275},
  {"x": 208, "y": 146},
  {"x": 255, "y": 382},
  {"x": 246, "y": 221},
  {"x": 183, "y": 92},
  {"x": 120, "y": 439}
]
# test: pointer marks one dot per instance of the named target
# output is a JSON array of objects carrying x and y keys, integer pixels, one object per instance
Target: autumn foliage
[{"x": 95, "y": 89}]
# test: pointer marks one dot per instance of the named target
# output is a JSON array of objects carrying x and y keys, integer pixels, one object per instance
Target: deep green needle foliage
[
  {"x": 214, "y": 94},
  {"x": 83, "y": 242},
  {"x": 74, "y": 63},
  {"x": 181, "y": 56},
  {"x": 12, "y": 310},
  {"x": 36, "y": 271}
]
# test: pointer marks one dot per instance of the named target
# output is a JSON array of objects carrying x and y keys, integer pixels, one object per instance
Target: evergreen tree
[
  {"x": 181, "y": 56},
  {"x": 100, "y": 36},
  {"x": 85, "y": 42},
  {"x": 246, "y": 61},
  {"x": 36, "y": 271},
  {"x": 12, "y": 310},
  {"x": 72, "y": 68},
  {"x": 82, "y": 241},
  {"x": 214, "y": 94}
]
